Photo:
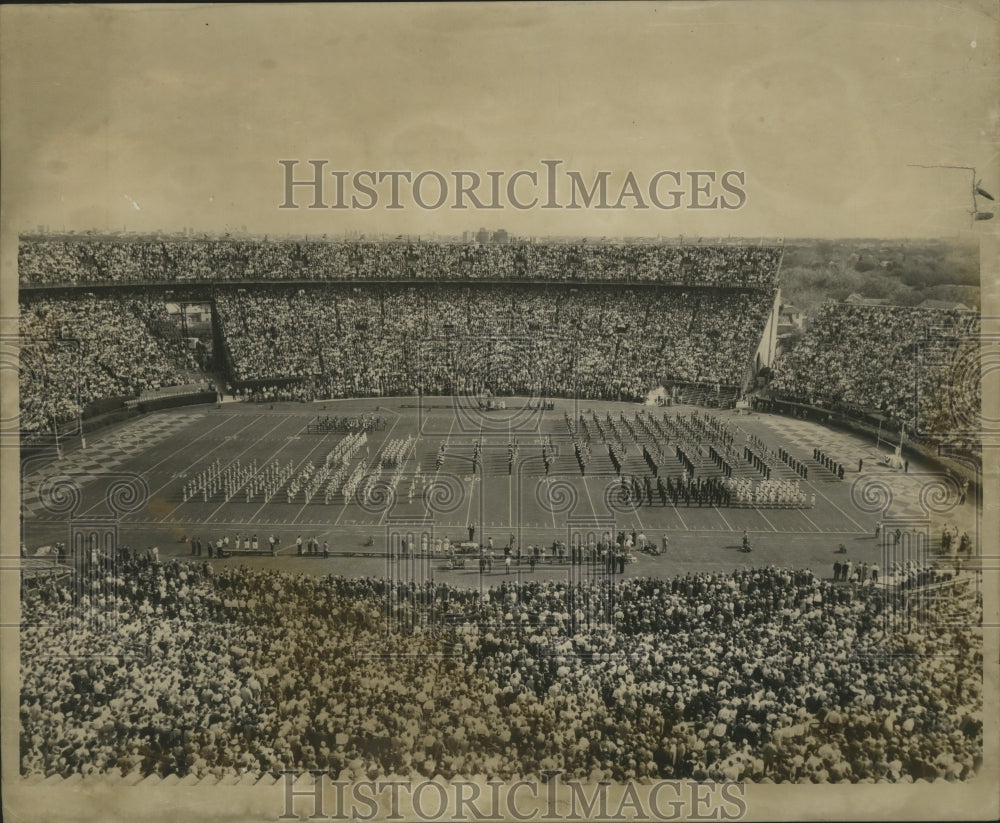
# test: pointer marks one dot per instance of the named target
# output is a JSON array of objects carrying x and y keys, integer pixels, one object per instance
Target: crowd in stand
[
  {"x": 75, "y": 351},
  {"x": 49, "y": 261},
  {"x": 904, "y": 362},
  {"x": 507, "y": 339},
  {"x": 344, "y": 342},
  {"x": 370, "y": 341},
  {"x": 766, "y": 674}
]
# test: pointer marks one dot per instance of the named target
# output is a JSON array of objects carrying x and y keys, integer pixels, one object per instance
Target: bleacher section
[
  {"x": 503, "y": 319},
  {"x": 75, "y": 260},
  {"x": 910, "y": 364},
  {"x": 75, "y": 351},
  {"x": 505, "y": 339}
]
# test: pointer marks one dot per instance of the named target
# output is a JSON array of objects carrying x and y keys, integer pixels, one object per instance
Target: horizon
[{"x": 190, "y": 233}]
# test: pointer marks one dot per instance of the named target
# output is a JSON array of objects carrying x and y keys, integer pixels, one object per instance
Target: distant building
[
  {"x": 857, "y": 300},
  {"x": 790, "y": 319},
  {"x": 943, "y": 304},
  {"x": 482, "y": 236},
  {"x": 501, "y": 236}
]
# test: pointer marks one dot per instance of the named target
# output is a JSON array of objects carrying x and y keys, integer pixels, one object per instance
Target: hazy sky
[{"x": 162, "y": 118}]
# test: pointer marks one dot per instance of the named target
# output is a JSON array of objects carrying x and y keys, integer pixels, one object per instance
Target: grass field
[{"x": 168, "y": 449}]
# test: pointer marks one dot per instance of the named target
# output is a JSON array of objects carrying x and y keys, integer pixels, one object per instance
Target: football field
[{"x": 445, "y": 466}]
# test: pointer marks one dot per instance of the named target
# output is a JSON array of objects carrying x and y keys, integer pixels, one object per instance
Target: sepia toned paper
[{"x": 839, "y": 128}]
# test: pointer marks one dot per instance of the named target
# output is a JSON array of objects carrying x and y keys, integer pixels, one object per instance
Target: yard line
[
  {"x": 552, "y": 512},
  {"x": 635, "y": 511},
  {"x": 343, "y": 507},
  {"x": 510, "y": 485},
  {"x": 769, "y": 523},
  {"x": 828, "y": 500},
  {"x": 472, "y": 485},
  {"x": 392, "y": 428},
  {"x": 678, "y": 513},
  {"x": 468, "y": 510},
  {"x": 807, "y": 517},
  {"x": 724, "y": 519},
  {"x": 236, "y": 491},
  {"x": 586, "y": 488}
]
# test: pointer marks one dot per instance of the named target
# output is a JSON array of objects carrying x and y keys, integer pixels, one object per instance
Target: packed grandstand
[
  {"x": 81, "y": 261},
  {"x": 396, "y": 318},
  {"x": 901, "y": 361},
  {"x": 765, "y": 674},
  {"x": 366, "y": 334}
]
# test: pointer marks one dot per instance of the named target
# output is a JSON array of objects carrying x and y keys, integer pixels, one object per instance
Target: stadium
[{"x": 441, "y": 509}]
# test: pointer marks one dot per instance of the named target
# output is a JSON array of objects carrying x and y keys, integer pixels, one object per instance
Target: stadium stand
[
  {"x": 75, "y": 351},
  {"x": 762, "y": 675},
  {"x": 79, "y": 261},
  {"x": 468, "y": 330},
  {"x": 898, "y": 360},
  {"x": 508, "y": 339}
]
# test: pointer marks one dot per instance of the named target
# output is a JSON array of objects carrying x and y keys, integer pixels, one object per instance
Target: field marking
[
  {"x": 807, "y": 517},
  {"x": 769, "y": 523},
  {"x": 510, "y": 483},
  {"x": 586, "y": 488},
  {"x": 468, "y": 510},
  {"x": 552, "y": 512},
  {"x": 392, "y": 428},
  {"x": 472, "y": 485},
  {"x": 635, "y": 509},
  {"x": 862, "y": 529},
  {"x": 238, "y": 455},
  {"x": 678, "y": 513},
  {"x": 719, "y": 512}
]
